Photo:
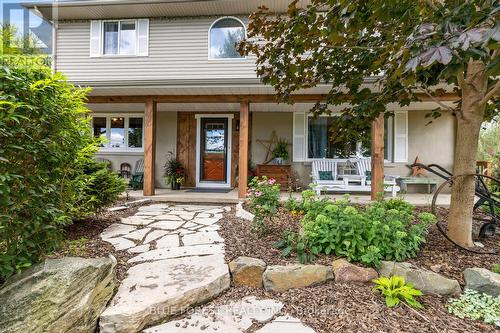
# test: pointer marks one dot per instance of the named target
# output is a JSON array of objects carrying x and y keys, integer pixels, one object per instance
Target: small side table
[{"x": 430, "y": 182}]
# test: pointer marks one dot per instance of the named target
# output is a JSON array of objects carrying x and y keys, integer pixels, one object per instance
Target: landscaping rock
[
  {"x": 426, "y": 281},
  {"x": 482, "y": 280},
  {"x": 247, "y": 271},
  {"x": 281, "y": 278},
  {"x": 58, "y": 295},
  {"x": 155, "y": 291},
  {"x": 345, "y": 272}
]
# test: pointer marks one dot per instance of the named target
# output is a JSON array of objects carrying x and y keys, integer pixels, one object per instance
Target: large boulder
[
  {"x": 427, "y": 281},
  {"x": 281, "y": 278},
  {"x": 58, "y": 295},
  {"x": 345, "y": 272},
  {"x": 155, "y": 291},
  {"x": 247, "y": 271},
  {"x": 482, "y": 280}
]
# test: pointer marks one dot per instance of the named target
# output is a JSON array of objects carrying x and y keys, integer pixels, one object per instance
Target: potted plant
[
  {"x": 175, "y": 174},
  {"x": 280, "y": 151}
]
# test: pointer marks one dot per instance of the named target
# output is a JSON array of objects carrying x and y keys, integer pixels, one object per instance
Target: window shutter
[
  {"x": 143, "y": 37},
  {"x": 299, "y": 136},
  {"x": 95, "y": 38},
  {"x": 401, "y": 136}
]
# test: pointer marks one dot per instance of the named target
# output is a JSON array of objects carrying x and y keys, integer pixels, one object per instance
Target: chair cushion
[
  {"x": 325, "y": 175},
  {"x": 368, "y": 175}
]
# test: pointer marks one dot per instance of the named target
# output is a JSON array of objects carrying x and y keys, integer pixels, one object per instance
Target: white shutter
[
  {"x": 95, "y": 38},
  {"x": 299, "y": 136},
  {"x": 143, "y": 37},
  {"x": 401, "y": 136}
]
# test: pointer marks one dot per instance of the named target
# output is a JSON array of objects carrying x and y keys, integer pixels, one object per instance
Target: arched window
[{"x": 224, "y": 34}]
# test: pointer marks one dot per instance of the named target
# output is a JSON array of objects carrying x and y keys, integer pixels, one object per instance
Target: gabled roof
[{"x": 104, "y": 9}]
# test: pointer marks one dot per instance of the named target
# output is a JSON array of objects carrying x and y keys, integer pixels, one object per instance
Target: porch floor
[{"x": 167, "y": 195}]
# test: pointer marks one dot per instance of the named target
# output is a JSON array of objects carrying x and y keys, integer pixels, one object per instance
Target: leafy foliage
[
  {"x": 407, "y": 47},
  {"x": 477, "y": 306},
  {"x": 281, "y": 149},
  {"x": 395, "y": 289},
  {"x": 47, "y": 175},
  {"x": 293, "y": 242},
  {"x": 385, "y": 230},
  {"x": 263, "y": 195},
  {"x": 90, "y": 185},
  {"x": 496, "y": 268},
  {"x": 174, "y": 170}
]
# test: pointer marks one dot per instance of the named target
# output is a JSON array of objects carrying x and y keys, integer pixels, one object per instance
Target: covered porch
[{"x": 238, "y": 109}]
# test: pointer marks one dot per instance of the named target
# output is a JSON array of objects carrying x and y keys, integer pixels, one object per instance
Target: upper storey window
[
  {"x": 119, "y": 38},
  {"x": 224, "y": 34}
]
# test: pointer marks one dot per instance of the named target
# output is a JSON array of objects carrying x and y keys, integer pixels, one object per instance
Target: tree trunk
[{"x": 466, "y": 143}]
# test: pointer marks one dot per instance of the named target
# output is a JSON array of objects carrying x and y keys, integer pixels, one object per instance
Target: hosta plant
[{"x": 395, "y": 290}]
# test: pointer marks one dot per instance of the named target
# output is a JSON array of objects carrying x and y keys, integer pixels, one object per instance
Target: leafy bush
[
  {"x": 293, "y": 242},
  {"x": 263, "y": 195},
  {"x": 477, "y": 306},
  {"x": 91, "y": 185},
  {"x": 47, "y": 176},
  {"x": 384, "y": 230},
  {"x": 395, "y": 289},
  {"x": 496, "y": 268}
]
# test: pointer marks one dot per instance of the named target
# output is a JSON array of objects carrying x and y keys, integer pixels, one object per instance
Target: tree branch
[
  {"x": 494, "y": 92},
  {"x": 437, "y": 100},
  {"x": 461, "y": 80}
]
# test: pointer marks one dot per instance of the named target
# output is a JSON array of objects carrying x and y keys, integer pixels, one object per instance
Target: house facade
[{"x": 166, "y": 79}]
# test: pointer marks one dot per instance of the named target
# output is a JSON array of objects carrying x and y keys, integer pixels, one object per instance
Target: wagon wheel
[{"x": 486, "y": 214}]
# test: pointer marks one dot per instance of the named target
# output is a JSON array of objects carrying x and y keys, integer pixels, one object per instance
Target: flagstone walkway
[{"x": 178, "y": 263}]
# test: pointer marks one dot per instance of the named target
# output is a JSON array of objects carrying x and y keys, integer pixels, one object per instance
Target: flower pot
[
  {"x": 278, "y": 160},
  {"x": 176, "y": 186}
]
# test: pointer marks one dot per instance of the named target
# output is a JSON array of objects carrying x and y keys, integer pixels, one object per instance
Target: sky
[{"x": 11, "y": 12}]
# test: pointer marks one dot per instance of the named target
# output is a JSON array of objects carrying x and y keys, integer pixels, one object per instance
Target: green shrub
[
  {"x": 395, "y": 289},
  {"x": 477, "y": 306},
  {"x": 496, "y": 268},
  {"x": 384, "y": 230},
  {"x": 293, "y": 242},
  {"x": 91, "y": 185},
  {"x": 47, "y": 175},
  {"x": 263, "y": 195}
]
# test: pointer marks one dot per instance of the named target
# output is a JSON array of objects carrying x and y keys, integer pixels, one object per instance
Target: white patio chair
[
  {"x": 326, "y": 185},
  {"x": 364, "y": 164}
]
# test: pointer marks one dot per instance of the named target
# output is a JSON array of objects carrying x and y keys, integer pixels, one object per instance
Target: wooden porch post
[
  {"x": 149, "y": 147},
  {"x": 243, "y": 154},
  {"x": 377, "y": 156}
]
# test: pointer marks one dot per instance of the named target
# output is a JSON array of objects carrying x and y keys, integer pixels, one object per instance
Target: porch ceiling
[
  {"x": 234, "y": 107},
  {"x": 105, "y": 9}
]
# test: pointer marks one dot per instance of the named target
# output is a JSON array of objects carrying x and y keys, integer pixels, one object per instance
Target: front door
[{"x": 213, "y": 153}]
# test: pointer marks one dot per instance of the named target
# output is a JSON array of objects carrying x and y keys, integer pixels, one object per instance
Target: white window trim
[
  {"x": 310, "y": 159},
  {"x": 108, "y": 117},
  {"x": 210, "y": 42},
  {"x": 118, "y": 55}
]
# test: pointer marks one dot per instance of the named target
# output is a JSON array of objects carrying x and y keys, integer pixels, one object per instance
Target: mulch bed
[
  {"x": 92, "y": 246},
  {"x": 335, "y": 307}
]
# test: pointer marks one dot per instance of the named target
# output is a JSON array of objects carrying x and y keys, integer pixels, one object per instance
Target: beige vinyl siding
[{"x": 178, "y": 49}]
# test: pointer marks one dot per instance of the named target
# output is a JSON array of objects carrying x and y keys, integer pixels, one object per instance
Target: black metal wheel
[{"x": 486, "y": 213}]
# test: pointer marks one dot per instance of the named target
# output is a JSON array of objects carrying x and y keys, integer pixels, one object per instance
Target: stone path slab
[
  {"x": 179, "y": 263},
  {"x": 235, "y": 317}
]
